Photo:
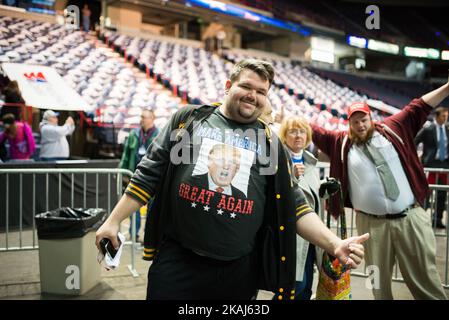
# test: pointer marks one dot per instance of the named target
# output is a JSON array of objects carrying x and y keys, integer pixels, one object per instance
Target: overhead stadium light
[
  {"x": 383, "y": 46},
  {"x": 428, "y": 53},
  {"x": 445, "y": 55},
  {"x": 229, "y": 9},
  {"x": 356, "y": 41}
]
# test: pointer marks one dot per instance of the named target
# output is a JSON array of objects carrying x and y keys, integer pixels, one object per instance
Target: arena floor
[{"x": 20, "y": 278}]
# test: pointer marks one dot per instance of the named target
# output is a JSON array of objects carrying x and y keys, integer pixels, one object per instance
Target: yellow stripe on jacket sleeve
[
  {"x": 137, "y": 193},
  {"x": 143, "y": 192},
  {"x": 302, "y": 207},
  {"x": 303, "y": 212},
  {"x": 136, "y": 196},
  {"x": 146, "y": 256},
  {"x": 148, "y": 253}
]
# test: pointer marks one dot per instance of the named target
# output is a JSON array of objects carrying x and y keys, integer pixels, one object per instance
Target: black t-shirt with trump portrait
[{"x": 219, "y": 192}]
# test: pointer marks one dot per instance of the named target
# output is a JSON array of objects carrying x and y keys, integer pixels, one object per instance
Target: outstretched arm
[
  {"x": 435, "y": 97},
  {"x": 110, "y": 228},
  {"x": 324, "y": 139},
  {"x": 414, "y": 115}
]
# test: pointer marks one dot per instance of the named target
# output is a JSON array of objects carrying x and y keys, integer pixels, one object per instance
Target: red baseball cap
[{"x": 358, "y": 107}]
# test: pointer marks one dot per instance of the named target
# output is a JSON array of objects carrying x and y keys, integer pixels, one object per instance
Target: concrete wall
[
  {"x": 280, "y": 45},
  {"x": 299, "y": 47},
  {"x": 125, "y": 18},
  {"x": 233, "y": 38},
  {"x": 151, "y": 28}
]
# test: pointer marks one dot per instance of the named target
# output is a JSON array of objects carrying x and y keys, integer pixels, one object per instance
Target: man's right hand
[
  {"x": 110, "y": 231},
  {"x": 70, "y": 121}
]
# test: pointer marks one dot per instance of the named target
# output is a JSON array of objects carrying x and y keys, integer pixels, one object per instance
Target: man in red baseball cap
[
  {"x": 358, "y": 106},
  {"x": 361, "y": 126},
  {"x": 383, "y": 180}
]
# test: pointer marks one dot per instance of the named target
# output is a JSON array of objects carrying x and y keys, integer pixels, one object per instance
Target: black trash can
[{"x": 67, "y": 251}]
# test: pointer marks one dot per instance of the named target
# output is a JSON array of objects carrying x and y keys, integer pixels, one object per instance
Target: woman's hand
[{"x": 299, "y": 169}]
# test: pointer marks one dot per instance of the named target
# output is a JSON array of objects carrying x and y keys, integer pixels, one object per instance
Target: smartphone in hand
[{"x": 107, "y": 247}]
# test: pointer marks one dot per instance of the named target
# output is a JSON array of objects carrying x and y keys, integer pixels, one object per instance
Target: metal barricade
[
  {"x": 41, "y": 192},
  {"x": 120, "y": 173},
  {"x": 323, "y": 168}
]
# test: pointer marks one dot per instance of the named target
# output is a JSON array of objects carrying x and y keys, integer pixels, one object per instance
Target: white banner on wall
[{"x": 42, "y": 87}]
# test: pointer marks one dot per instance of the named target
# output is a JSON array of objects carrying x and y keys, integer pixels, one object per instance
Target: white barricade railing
[
  {"x": 42, "y": 191},
  {"x": 120, "y": 173}
]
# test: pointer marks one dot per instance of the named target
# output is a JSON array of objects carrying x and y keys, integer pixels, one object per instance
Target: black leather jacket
[{"x": 285, "y": 203}]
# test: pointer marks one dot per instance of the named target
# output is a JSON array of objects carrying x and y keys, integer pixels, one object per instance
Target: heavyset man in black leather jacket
[{"x": 210, "y": 245}]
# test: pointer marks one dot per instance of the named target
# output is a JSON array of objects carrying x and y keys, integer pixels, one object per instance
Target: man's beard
[
  {"x": 233, "y": 110},
  {"x": 245, "y": 113},
  {"x": 358, "y": 140}
]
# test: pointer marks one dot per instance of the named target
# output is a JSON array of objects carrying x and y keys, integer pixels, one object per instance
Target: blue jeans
[
  {"x": 303, "y": 290},
  {"x": 86, "y": 23},
  {"x": 137, "y": 214}
]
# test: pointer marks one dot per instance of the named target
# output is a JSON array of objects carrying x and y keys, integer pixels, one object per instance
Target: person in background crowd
[
  {"x": 296, "y": 135},
  {"x": 20, "y": 138},
  {"x": 435, "y": 155},
  {"x": 267, "y": 114},
  {"x": 383, "y": 180},
  {"x": 54, "y": 145},
  {"x": 136, "y": 146},
  {"x": 86, "y": 18},
  {"x": 12, "y": 95}
]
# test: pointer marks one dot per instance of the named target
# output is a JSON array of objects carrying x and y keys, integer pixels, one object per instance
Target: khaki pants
[{"x": 409, "y": 240}]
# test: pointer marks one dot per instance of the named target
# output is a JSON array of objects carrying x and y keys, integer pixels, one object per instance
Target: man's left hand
[{"x": 350, "y": 251}]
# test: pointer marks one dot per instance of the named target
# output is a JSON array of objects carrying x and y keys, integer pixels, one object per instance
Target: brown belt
[{"x": 398, "y": 215}]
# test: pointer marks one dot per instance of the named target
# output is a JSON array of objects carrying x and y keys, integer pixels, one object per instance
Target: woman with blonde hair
[{"x": 296, "y": 134}]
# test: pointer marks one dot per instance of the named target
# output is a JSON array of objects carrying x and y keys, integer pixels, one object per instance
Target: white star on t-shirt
[
  {"x": 220, "y": 212},
  {"x": 206, "y": 208},
  {"x": 193, "y": 205},
  {"x": 233, "y": 215}
]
